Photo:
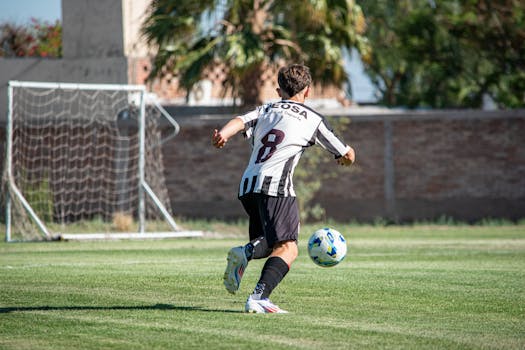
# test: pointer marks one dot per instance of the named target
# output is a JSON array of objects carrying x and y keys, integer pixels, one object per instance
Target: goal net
[{"x": 84, "y": 158}]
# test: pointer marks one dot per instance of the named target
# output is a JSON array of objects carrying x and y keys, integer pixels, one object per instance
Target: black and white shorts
[{"x": 275, "y": 218}]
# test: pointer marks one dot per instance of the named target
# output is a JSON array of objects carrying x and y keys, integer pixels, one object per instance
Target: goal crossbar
[{"x": 75, "y": 86}]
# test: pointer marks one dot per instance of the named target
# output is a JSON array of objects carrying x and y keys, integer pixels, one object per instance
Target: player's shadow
[{"x": 4, "y": 310}]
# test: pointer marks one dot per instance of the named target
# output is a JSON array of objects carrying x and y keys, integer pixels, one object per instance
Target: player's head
[{"x": 293, "y": 79}]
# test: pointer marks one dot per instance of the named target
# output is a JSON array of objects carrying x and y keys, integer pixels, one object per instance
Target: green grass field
[{"x": 412, "y": 287}]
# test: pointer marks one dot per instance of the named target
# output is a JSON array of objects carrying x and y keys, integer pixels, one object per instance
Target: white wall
[{"x": 134, "y": 13}]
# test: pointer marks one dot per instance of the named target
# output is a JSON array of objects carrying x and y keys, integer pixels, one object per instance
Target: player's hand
[
  {"x": 217, "y": 140},
  {"x": 348, "y": 159}
]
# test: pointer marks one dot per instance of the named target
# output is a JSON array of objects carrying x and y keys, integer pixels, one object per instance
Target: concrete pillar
[
  {"x": 92, "y": 29},
  {"x": 389, "y": 172}
]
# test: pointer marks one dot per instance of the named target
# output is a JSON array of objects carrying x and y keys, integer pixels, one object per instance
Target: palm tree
[{"x": 249, "y": 36}]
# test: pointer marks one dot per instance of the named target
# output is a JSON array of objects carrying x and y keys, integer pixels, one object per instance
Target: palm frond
[{"x": 248, "y": 35}]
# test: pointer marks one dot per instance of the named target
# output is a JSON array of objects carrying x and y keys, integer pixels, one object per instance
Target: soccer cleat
[
  {"x": 237, "y": 263},
  {"x": 262, "y": 306}
]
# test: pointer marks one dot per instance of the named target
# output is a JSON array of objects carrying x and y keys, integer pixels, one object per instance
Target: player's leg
[
  {"x": 238, "y": 257},
  {"x": 282, "y": 233},
  {"x": 273, "y": 272},
  {"x": 275, "y": 269},
  {"x": 258, "y": 247},
  {"x": 286, "y": 250}
]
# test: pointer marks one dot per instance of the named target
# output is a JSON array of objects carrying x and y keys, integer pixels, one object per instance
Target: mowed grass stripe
[{"x": 454, "y": 288}]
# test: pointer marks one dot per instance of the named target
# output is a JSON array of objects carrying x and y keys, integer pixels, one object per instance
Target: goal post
[{"x": 85, "y": 159}]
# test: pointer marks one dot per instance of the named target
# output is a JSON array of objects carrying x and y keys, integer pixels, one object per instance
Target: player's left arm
[
  {"x": 219, "y": 138},
  {"x": 347, "y": 159},
  {"x": 344, "y": 154}
]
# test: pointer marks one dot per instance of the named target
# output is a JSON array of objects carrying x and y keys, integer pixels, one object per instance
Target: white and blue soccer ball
[{"x": 327, "y": 247}]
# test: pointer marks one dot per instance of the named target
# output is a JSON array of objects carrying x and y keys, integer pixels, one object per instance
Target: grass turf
[{"x": 400, "y": 287}]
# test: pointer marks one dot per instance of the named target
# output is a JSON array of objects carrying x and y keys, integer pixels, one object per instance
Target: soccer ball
[{"x": 327, "y": 247}]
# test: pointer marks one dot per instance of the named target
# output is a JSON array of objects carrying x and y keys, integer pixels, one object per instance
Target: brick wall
[{"x": 410, "y": 166}]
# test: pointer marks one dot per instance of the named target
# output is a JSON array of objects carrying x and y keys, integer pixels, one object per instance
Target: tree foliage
[
  {"x": 249, "y": 36},
  {"x": 447, "y": 53},
  {"x": 316, "y": 166},
  {"x": 38, "y": 39}
]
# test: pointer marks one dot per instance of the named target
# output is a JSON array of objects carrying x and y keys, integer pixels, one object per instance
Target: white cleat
[
  {"x": 237, "y": 263},
  {"x": 262, "y": 306}
]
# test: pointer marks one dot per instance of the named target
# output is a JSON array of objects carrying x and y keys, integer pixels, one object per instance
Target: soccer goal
[{"x": 84, "y": 161}]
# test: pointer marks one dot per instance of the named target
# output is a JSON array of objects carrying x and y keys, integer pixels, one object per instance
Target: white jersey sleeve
[
  {"x": 326, "y": 138},
  {"x": 250, "y": 120}
]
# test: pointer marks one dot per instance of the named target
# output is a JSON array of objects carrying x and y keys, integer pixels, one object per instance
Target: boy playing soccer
[{"x": 279, "y": 133}]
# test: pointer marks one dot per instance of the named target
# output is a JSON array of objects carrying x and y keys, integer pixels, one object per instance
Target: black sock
[
  {"x": 248, "y": 251},
  {"x": 257, "y": 249},
  {"x": 272, "y": 273}
]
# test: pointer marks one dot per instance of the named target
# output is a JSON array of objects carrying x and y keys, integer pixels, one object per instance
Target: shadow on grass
[{"x": 4, "y": 310}]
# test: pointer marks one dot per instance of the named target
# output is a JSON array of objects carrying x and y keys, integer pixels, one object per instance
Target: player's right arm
[{"x": 219, "y": 138}]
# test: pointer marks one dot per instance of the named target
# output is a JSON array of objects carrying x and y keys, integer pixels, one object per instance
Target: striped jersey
[{"x": 279, "y": 133}]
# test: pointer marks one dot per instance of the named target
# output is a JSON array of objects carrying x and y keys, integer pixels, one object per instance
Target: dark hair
[{"x": 294, "y": 78}]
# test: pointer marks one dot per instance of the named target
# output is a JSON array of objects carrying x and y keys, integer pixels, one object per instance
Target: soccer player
[{"x": 279, "y": 133}]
